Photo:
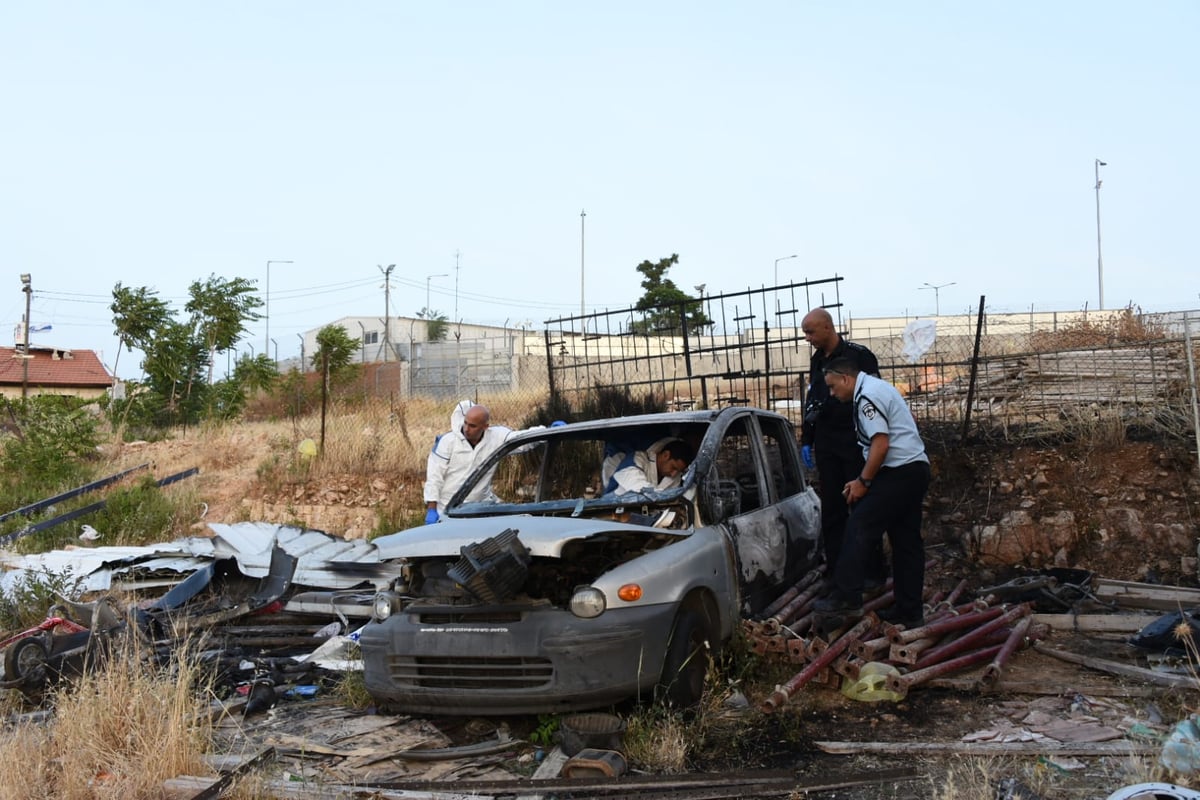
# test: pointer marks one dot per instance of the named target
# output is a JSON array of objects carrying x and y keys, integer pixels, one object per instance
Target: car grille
[
  {"x": 472, "y": 617},
  {"x": 493, "y": 674}
]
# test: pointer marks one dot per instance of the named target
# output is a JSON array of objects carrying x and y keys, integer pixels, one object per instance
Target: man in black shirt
[{"x": 828, "y": 442}]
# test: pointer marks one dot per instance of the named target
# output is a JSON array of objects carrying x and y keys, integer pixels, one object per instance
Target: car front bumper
[{"x": 512, "y": 660}]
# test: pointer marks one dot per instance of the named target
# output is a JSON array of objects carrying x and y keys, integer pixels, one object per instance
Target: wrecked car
[{"x": 553, "y": 594}]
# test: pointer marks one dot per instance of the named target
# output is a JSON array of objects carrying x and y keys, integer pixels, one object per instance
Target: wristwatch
[{"x": 865, "y": 481}]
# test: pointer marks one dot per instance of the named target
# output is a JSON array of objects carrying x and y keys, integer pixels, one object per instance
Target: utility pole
[
  {"x": 387, "y": 306},
  {"x": 582, "y": 220},
  {"x": 300, "y": 336},
  {"x": 456, "y": 257},
  {"x": 27, "y": 288},
  {"x": 1099, "y": 257}
]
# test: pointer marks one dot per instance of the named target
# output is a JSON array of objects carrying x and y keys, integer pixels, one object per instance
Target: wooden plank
[
  {"x": 1120, "y": 748},
  {"x": 1096, "y": 623},
  {"x": 1040, "y": 687},
  {"x": 1124, "y": 670},
  {"x": 1146, "y": 595}
]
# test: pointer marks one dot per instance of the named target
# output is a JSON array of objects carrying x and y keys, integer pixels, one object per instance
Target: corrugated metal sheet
[{"x": 249, "y": 543}]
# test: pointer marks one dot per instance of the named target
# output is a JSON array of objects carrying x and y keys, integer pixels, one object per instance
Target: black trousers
[
  {"x": 892, "y": 505},
  {"x": 837, "y": 466}
]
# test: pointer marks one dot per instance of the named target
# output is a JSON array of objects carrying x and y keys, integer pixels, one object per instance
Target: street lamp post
[
  {"x": 582, "y": 219},
  {"x": 1099, "y": 258},
  {"x": 27, "y": 288},
  {"x": 428, "y": 278},
  {"x": 267, "y": 312},
  {"x": 781, "y": 258},
  {"x": 937, "y": 304}
]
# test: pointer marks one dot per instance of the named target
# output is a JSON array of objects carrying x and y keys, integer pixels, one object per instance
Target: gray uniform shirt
[{"x": 880, "y": 408}]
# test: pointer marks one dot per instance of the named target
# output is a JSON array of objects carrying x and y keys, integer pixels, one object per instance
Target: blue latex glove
[
  {"x": 431, "y": 516},
  {"x": 806, "y": 456},
  {"x": 558, "y": 423}
]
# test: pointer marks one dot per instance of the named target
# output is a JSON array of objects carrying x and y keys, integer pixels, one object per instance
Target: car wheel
[
  {"x": 688, "y": 658},
  {"x": 26, "y": 661}
]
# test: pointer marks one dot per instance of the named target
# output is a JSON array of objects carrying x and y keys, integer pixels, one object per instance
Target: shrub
[{"x": 52, "y": 439}]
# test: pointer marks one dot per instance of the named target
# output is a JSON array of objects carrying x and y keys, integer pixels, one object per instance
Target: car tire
[
  {"x": 688, "y": 658},
  {"x": 25, "y": 661}
]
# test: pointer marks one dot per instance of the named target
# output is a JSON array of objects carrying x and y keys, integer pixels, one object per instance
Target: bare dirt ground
[{"x": 1128, "y": 512}]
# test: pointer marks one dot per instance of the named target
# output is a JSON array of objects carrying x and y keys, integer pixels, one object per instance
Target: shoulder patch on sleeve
[{"x": 868, "y": 409}]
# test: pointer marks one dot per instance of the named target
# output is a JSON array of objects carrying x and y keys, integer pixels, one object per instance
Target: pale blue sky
[{"x": 895, "y": 144}]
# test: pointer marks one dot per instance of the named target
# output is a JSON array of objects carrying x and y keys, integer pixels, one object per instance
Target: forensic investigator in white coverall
[{"x": 470, "y": 441}]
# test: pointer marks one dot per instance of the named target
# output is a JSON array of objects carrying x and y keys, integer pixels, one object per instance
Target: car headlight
[
  {"x": 386, "y": 604},
  {"x": 588, "y": 602}
]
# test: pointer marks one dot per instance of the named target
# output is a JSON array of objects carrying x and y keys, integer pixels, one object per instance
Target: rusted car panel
[{"x": 553, "y": 595}]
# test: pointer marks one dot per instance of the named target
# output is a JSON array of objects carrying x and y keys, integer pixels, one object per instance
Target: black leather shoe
[
  {"x": 835, "y": 604},
  {"x": 894, "y": 616}
]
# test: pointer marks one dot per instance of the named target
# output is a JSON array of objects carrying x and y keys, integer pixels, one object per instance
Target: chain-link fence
[{"x": 1009, "y": 375}]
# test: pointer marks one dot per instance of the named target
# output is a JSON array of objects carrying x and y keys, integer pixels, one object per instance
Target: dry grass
[
  {"x": 1126, "y": 326},
  {"x": 118, "y": 732}
]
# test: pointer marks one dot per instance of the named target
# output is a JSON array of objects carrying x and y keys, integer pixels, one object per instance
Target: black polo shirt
[{"x": 835, "y": 420}]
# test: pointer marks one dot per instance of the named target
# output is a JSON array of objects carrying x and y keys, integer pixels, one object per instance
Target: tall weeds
[{"x": 117, "y": 732}]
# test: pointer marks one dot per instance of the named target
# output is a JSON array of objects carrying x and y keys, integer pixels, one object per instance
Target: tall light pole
[
  {"x": 1099, "y": 258},
  {"x": 27, "y": 288},
  {"x": 267, "y": 314},
  {"x": 387, "y": 308},
  {"x": 582, "y": 219},
  {"x": 937, "y": 303},
  {"x": 781, "y": 258},
  {"x": 428, "y": 278}
]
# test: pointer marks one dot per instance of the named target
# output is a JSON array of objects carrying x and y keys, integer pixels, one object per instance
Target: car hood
[{"x": 543, "y": 536}]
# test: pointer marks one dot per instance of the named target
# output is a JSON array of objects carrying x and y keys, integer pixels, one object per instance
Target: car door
[{"x": 764, "y": 524}]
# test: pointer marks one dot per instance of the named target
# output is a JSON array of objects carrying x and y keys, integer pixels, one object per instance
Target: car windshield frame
[{"x": 695, "y": 428}]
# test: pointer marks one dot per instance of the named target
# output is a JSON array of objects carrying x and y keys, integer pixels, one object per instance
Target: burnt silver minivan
[{"x": 553, "y": 594}]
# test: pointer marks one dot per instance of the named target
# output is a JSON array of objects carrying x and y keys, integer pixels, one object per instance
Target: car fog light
[
  {"x": 386, "y": 604},
  {"x": 588, "y": 602}
]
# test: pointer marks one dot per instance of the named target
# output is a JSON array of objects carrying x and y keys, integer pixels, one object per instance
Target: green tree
[
  {"x": 665, "y": 304},
  {"x": 259, "y": 373},
  {"x": 335, "y": 351},
  {"x": 175, "y": 362},
  {"x": 219, "y": 310},
  {"x": 437, "y": 327},
  {"x": 137, "y": 315}
]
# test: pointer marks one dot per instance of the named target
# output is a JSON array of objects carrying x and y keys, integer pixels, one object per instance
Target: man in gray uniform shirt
[{"x": 886, "y": 496}]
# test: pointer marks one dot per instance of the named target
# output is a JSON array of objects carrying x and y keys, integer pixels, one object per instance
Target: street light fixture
[
  {"x": 937, "y": 304},
  {"x": 782, "y": 258},
  {"x": 267, "y": 314},
  {"x": 428, "y": 278},
  {"x": 1099, "y": 258}
]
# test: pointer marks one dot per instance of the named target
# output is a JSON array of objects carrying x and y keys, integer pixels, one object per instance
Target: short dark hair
[
  {"x": 842, "y": 365},
  {"x": 680, "y": 449}
]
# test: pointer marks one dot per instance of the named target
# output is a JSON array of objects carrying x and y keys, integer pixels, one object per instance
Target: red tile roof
[{"x": 71, "y": 368}]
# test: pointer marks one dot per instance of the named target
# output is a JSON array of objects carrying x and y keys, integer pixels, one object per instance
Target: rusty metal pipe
[
  {"x": 970, "y": 639},
  {"x": 870, "y": 649},
  {"x": 942, "y": 626},
  {"x": 909, "y": 652},
  {"x": 781, "y": 695},
  {"x": 809, "y": 579},
  {"x": 991, "y": 673},
  {"x": 902, "y": 683},
  {"x": 957, "y": 592},
  {"x": 793, "y": 608}
]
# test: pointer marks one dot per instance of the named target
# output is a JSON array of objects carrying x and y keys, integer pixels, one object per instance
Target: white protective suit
[
  {"x": 453, "y": 459},
  {"x": 623, "y": 473}
]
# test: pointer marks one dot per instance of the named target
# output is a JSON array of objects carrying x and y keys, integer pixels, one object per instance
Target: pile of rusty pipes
[{"x": 954, "y": 637}]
